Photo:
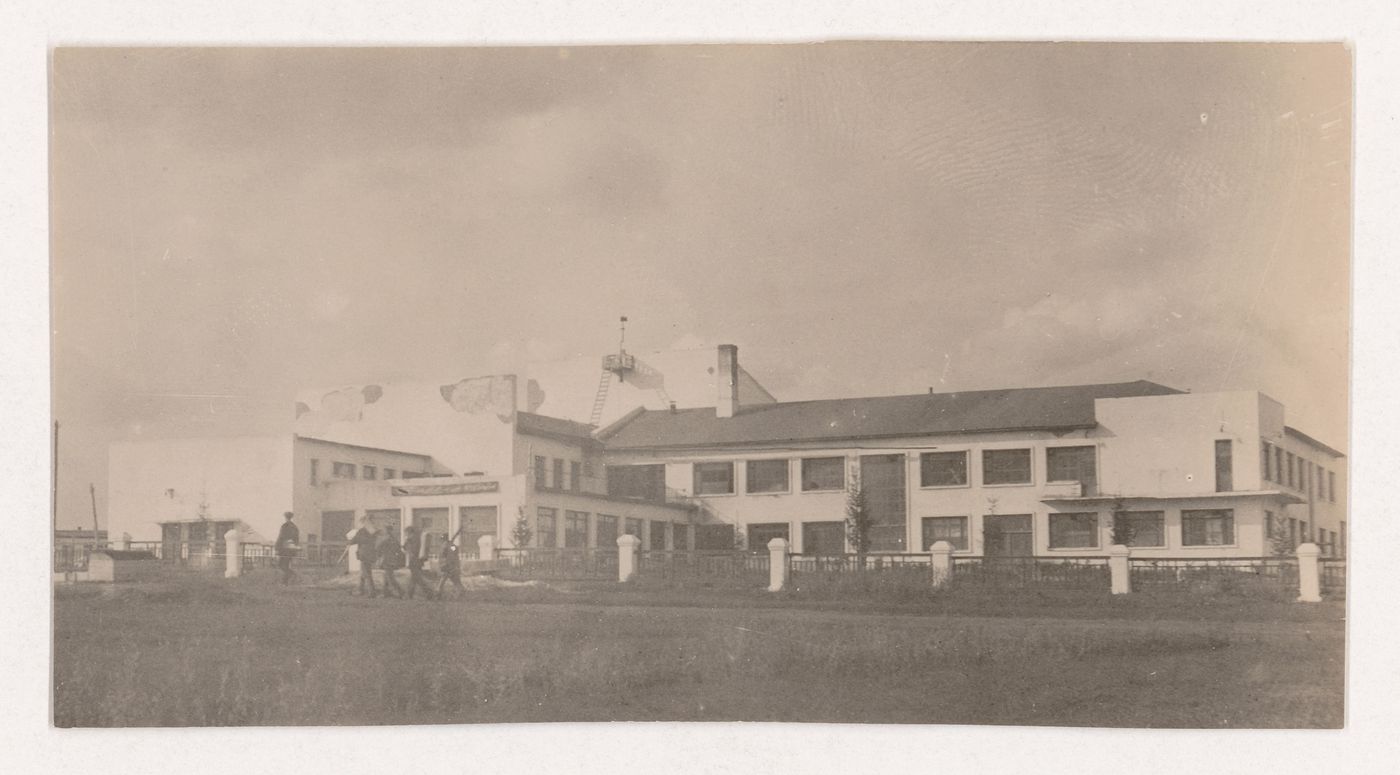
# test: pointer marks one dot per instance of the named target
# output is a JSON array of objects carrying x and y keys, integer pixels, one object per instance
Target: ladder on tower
[{"x": 600, "y": 399}]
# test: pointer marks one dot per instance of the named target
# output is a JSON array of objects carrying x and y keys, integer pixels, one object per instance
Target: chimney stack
[{"x": 727, "y": 379}]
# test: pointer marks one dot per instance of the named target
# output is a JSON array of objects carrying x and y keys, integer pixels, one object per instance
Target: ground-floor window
[
  {"x": 950, "y": 529},
  {"x": 824, "y": 538},
  {"x": 714, "y": 537},
  {"x": 575, "y": 529},
  {"x": 680, "y": 537},
  {"x": 1074, "y": 531},
  {"x": 1140, "y": 528},
  {"x": 1208, "y": 527},
  {"x": 475, "y": 522},
  {"x": 760, "y": 534},
  {"x": 546, "y": 527},
  {"x": 1007, "y": 535},
  {"x": 658, "y": 535},
  {"x": 606, "y": 530},
  {"x": 632, "y": 527}
]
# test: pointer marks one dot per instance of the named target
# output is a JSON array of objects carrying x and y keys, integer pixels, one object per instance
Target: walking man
[
  {"x": 364, "y": 542},
  {"x": 413, "y": 548},
  {"x": 287, "y": 539},
  {"x": 450, "y": 568},
  {"x": 391, "y": 559}
]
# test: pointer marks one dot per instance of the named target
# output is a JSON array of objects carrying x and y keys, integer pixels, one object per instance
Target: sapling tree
[
  {"x": 522, "y": 533},
  {"x": 859, "y": 520},
  {"x": 1122, "y": 526}
]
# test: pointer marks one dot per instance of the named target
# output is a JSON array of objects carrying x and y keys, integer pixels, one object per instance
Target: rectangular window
[
  {"x": 714, "y": 478},
  {"x": 541, "y": 473},
  {"x": 658, "y": 535},
  {"x": 1293, "y": 531},
  {"x": 1208, "y": 527},
  {"x": 823, "y": 473},
  {"x": 546, "y": 528},
  {"x": 767, "y": 476},
  {"x": 680, "y": 537},
  {"x": 1342, "y": 539},
  {"x": 1278, "y": 465},
  {"x": 1141, "y": 528},
  {"x": 645, "y": 482},
  {"x": 943, "y": 469},
  {"x": 315, "y": 472},
  {"x": 632, "y": 527},
  {"x": 1289, "y": 471},
  {"x": 575, "y": 529},
  {"x": 343, "y": 470},
  {"x": 1305, "y": 471},
  {"x": 575, "y": 476},
  {"x": 824, "y": 538},
  {"x": 1332, "y": 486},
  {"x": 606, "y": 531},
  {"x": 1224, "y": 465},
  {"x": 1073, "y": 464},
  {"x": 1074, "y": 531},
  {"x": 1266, "y": 462},
  {"x": 1006, "y": 466},
  {"x": 950, "y": 529},
  {"x": 390, "y": 473},
  {"x": 556, "y": 481},
  {"x": 1321, "y": 483},
  {"x": 714, "y": 537},
  {"x": 369, "y": 472},
  {"x": 760, "y": 534}
]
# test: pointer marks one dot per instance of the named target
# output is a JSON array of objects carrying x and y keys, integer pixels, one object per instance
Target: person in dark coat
[
  {"x": 450, "y": 566},
  {"x": 413, "y": 549},
  {"x": 391, "y": 559},
  {"x": 288, "y": 539},
  {"x": 365, "y": 542}
]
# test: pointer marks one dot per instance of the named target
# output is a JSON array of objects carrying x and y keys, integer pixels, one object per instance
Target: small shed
[{"x": 120, "y": 565}]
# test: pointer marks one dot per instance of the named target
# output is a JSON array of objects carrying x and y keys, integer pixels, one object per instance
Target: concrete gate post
[
  {"x": 126, "y": 542},
  {"x": 627, "y": 556},
  {"x": 941, "y": 562},
  {"x": 777, "y": 564},
  {"x": 1120, "y": 582},
  {"x": 233, "y": 554},
  {"x": 1309, "y": 581}
]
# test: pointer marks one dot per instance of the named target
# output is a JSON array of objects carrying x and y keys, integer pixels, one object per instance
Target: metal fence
[
  {"x": 1014, "y": 572},
  {"x": 1333, "y": 576},
  {"x": 1281, "y": 572},
  {"x": 704, "y": 566},
  {"x": 579, "y": 563}
]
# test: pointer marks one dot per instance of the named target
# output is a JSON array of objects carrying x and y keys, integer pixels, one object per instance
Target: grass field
[{"x": 195, "y": 650}]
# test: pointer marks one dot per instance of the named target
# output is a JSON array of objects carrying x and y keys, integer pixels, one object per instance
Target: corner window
[
  {"x": 767, "y": 476},
  {"x": 369, "y": 472},
  {"x": 1006, "y": 466},
  {"x": 943, "y": 469},
  {"x": 1208, "y": 527},
  {"x": 1073, "y": 464},
  {"x": 823, "y": 473},
  {"x": 950, "y": 529},
  {"x": 390, "y": 473},
  {"x": 1266, "y": 462},
  {"x": 1140, "y": 528},
  {"x": 343, "y": 470},
  {"x": 714, "y": 478},
  {"x": 1074, "y": 531}
]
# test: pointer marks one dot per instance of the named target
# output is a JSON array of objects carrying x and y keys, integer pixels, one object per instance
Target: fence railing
[
  {"x": 1333, "y": 576},
  {"x": 1063, "y": 571},
  {"x": 702, "y": 565},
  {"x": 577, "y": 563},
  {"x": 1149, "y": 571}
]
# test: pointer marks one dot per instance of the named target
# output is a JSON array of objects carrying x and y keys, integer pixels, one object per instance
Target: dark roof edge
[
  {"x": 606, "y": 432},
  {"x": 912, "y": 434},
  {"x": 1294, "y": 432},
  {"x": 362, "y": 446}
]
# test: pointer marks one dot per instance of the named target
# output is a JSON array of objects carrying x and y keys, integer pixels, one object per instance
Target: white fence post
[
  {"x": 486, "y": 548},
  {"x": 1120, "y": 581},
  {"x": 627, "y": 556},
  {"x": 126, "y": 542},
  {"x": 233, "y": 549},
  {"x": 941, "y": 560},
  {"x": 1309, "y": 582},
  {"x": 352, "y": 559},
  {"x": 777, "y": 564}
]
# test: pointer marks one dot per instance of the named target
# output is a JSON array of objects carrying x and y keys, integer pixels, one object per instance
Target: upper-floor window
[
  {"x": 1073, "y": 464},
  {"x": 390, "y": 473},
  {"x": 823, "y": 473},
  {"x": 541, "y": 473},
  {"x": 557, "y": 480},
  {"x": 1006, "y": 466},
  {"x": 943, "y": 469},
  {"x": 714, "y": 478},
  {"x": 369, "y": 472},
  {"x": 1332, "y": 486},
  {"x": 315, "y": 472},
  {"x": 1266, "y": 462},
  {"x": 575, "y": 475},
  {"x": 343, "y": 470},
  {"x": 767, "y": 476},
  {"x": 1289, "y": 470},
  {"x": 1224, "y": 465}
]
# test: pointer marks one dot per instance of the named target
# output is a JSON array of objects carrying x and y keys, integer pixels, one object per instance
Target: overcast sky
[{"x": 861, "y": 219}]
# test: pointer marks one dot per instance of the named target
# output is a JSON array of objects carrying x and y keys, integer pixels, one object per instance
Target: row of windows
[
  {"x": 557, "y": 474},
  {"x": 1202, "y": 527},
  {"x": 1287, "y": 469},
  {"x": 936, "y": 469},
  {"x": 340, "y": 470},
  {"x": 605, "y": 530},
  {"x": 1299, "y": 531}
]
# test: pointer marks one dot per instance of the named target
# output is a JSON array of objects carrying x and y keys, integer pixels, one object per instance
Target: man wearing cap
[{"x": 287, "y": 539}]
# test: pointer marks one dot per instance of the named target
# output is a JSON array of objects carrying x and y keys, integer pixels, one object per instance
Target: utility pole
[{"x": 92, "y": 491}]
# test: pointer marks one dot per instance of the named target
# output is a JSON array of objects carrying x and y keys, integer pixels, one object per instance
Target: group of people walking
[{"x": 376, "y": 548}]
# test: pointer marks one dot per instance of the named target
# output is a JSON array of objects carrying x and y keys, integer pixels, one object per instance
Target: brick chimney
[{"x": 727, "y": 379}]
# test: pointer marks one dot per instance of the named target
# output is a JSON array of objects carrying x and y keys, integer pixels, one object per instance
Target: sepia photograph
[{"x": 853, "y": 382}]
